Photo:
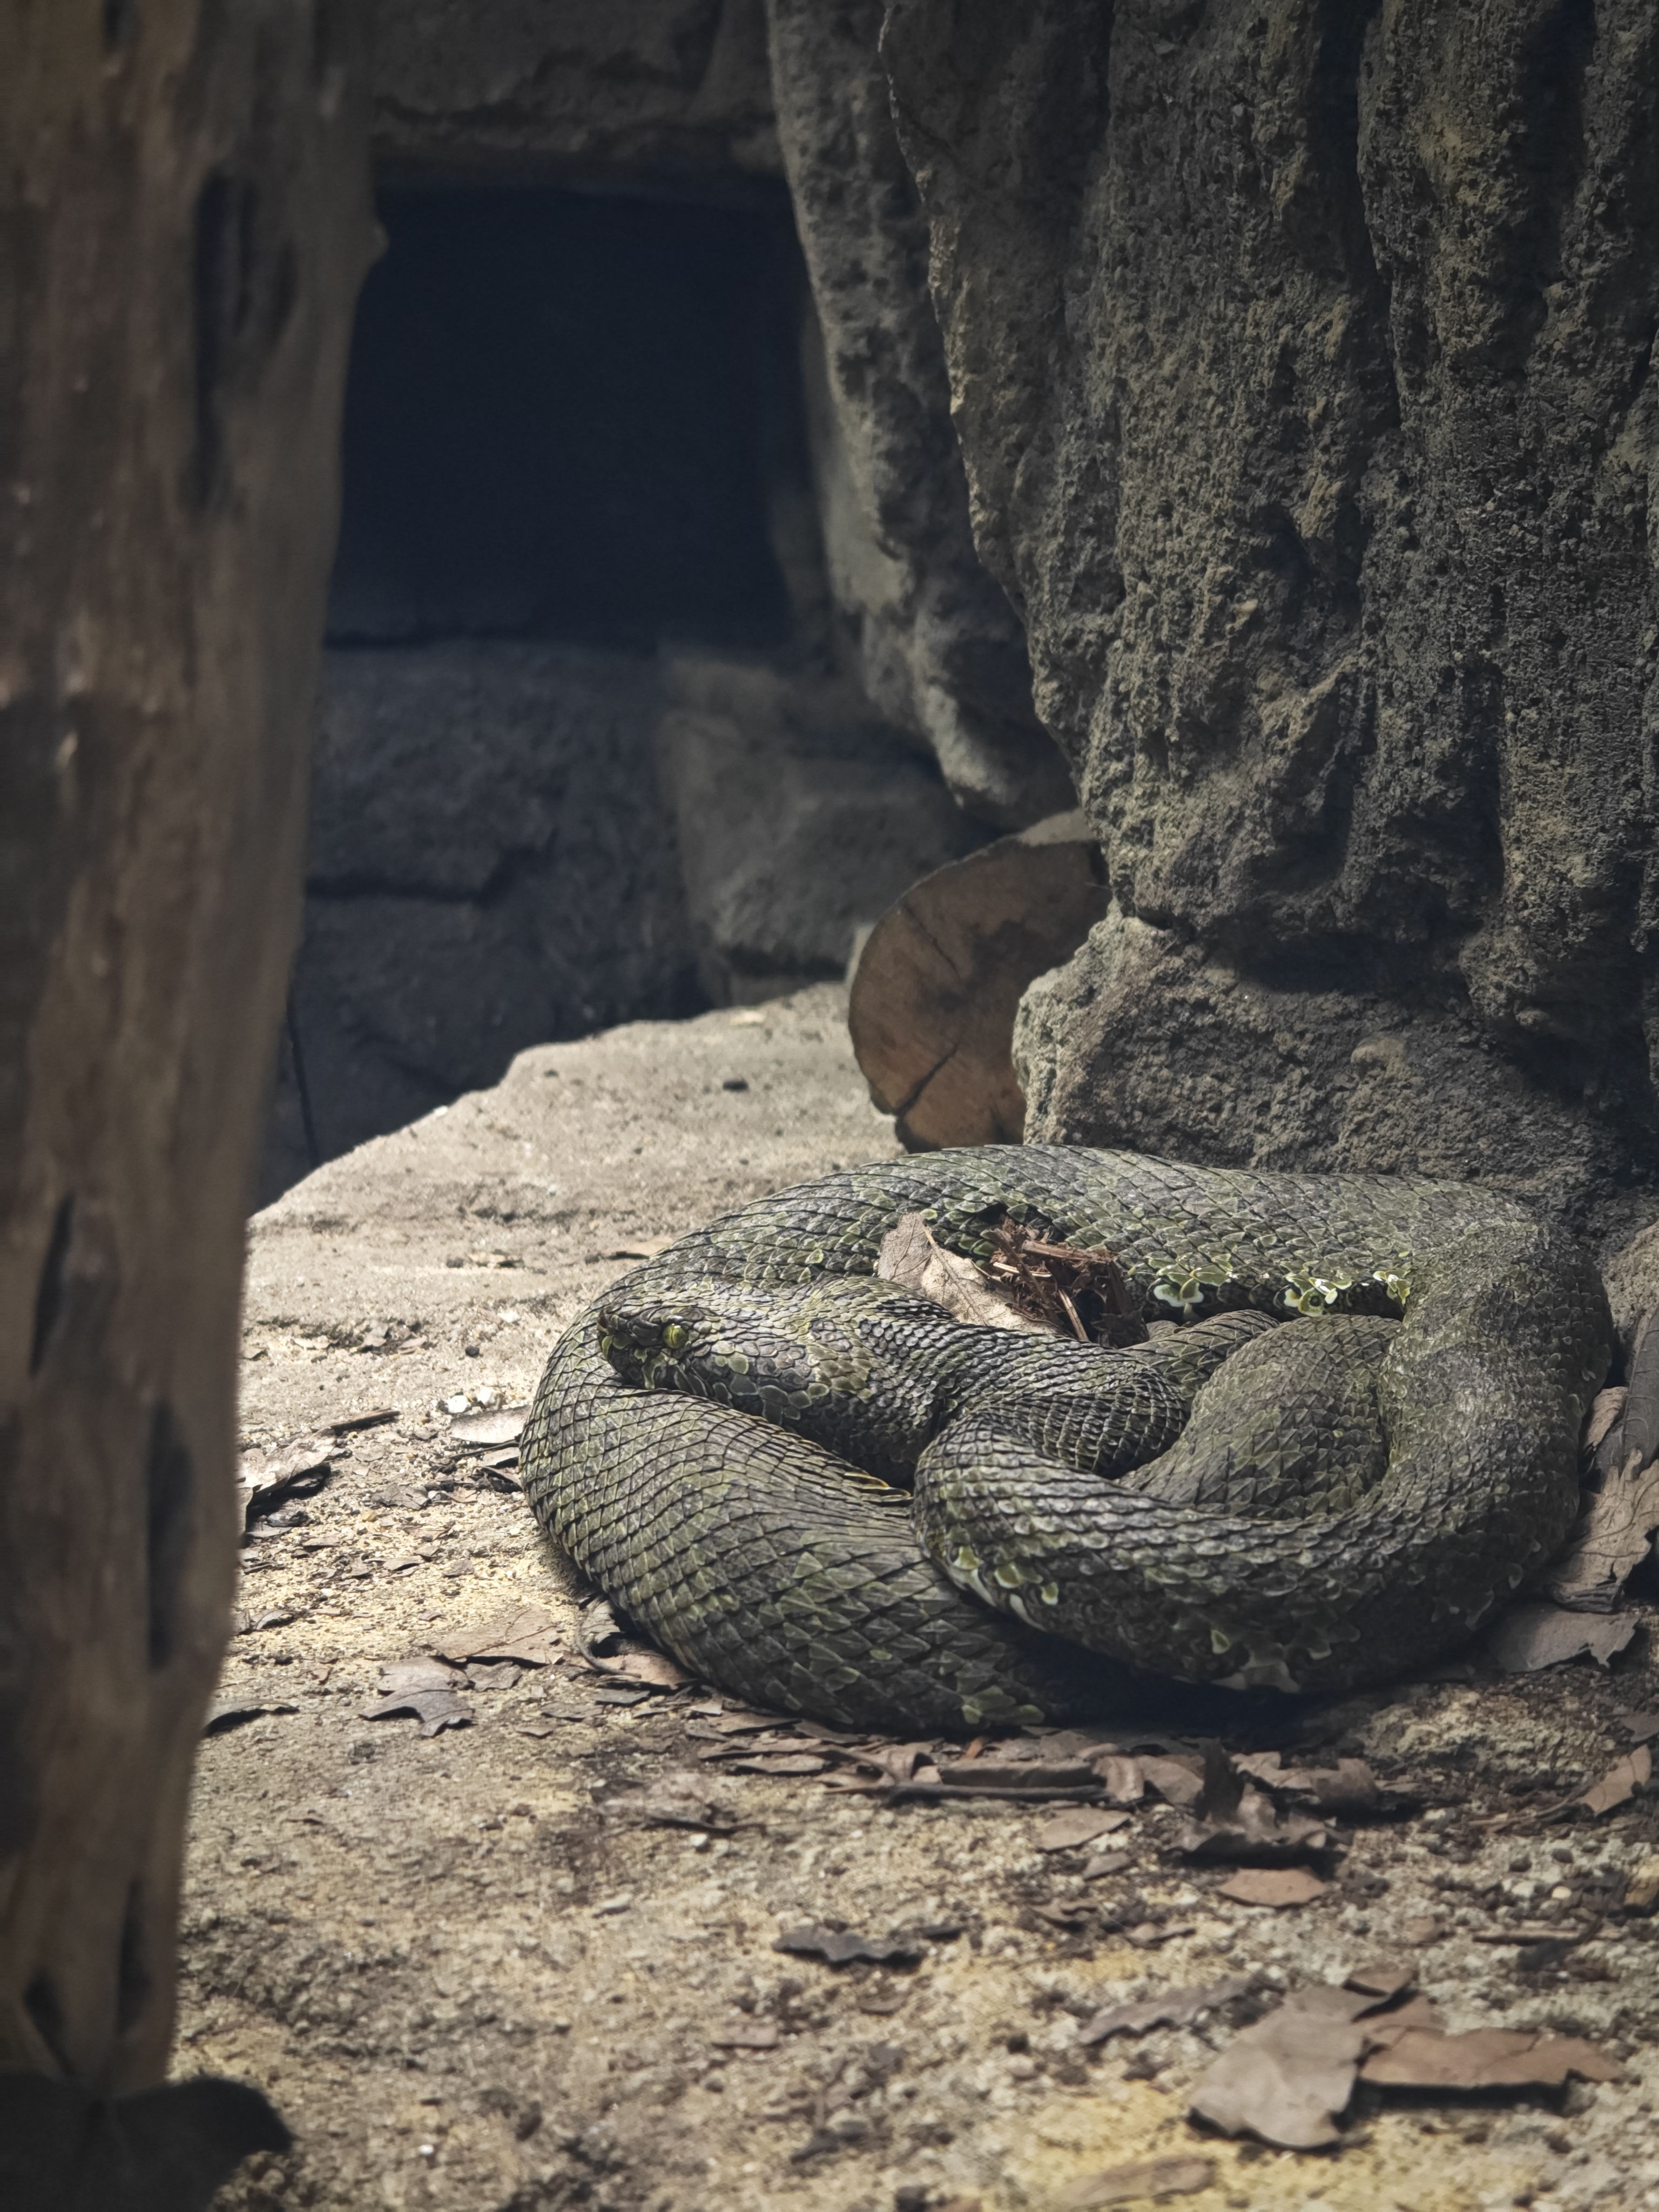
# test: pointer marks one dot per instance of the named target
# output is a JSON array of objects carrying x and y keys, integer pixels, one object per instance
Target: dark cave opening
[{"x": 566, "y": 417}]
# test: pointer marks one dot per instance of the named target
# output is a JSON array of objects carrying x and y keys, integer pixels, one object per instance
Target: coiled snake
[{"x": 724, "y": 1440}]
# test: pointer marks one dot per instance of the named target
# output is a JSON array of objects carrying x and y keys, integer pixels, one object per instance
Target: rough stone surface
[
  {"x": 800, "y": 818},
  {"x": 1300, "y": 359},
  {"x": 940, "y": 650},
  {"x": 490, "y": 867},
  {"x": 674, "y": 85},
  {"x": 184, "y": 221}
]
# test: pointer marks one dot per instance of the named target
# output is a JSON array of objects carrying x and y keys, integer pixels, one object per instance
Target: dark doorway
[{"x": 564, "y": 412}]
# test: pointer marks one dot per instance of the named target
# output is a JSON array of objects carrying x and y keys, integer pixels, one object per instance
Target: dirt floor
[{"x": 468, "y": 1982}]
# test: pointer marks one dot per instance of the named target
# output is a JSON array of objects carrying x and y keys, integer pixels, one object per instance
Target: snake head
[{"x": 647, "y": 1342}]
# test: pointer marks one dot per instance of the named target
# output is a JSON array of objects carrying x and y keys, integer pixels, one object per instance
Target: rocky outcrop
[
  {"x": 1300, "y": 359},
  {"x": 640, "y": 85},
  {"x": 490, "y": 867},
  {"x": 938, "y": 649},
  {"x": 800, "y": 819}
]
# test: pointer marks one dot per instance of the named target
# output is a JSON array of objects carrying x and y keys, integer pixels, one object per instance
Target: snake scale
[{"x": 821, "y": 1493}]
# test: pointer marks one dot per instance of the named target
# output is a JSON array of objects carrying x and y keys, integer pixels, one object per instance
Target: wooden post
[{"x": 184, "y": 222}]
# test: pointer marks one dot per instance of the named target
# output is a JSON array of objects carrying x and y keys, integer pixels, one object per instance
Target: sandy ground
[{"x": 468, "y": 1985}]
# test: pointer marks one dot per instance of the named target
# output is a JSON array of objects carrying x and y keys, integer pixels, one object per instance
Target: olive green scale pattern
[{"x": 775, "y": 1569}]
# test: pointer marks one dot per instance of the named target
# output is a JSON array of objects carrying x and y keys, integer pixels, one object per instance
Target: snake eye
[{"x": 676, "y": 1337}]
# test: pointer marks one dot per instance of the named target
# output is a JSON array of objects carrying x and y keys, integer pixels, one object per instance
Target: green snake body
[{"x": 727, "y": 1441}]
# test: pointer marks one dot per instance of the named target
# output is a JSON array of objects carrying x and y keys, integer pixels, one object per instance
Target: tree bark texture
[
  {"x": 940, "y": 651},
  {"x": 184, "y": 220},
  {"x": 1299, "y": 350}
]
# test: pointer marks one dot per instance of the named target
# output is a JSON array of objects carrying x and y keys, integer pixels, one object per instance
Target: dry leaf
[
  {"x": 1272, "y": 1886},
  {"x": 840, "y": 1945},
  {"x": 1610, "y": 1541},
  {"x": 1017, "y": 1778},
  {"x": 748, "y": 2035},
  {"x": 1490, "y": 2058},
  {"x": 1169, "y": 2008},
  {"x": 1619, "y": 1783},
  {"x": 1181, "y": 1781},
  {"x": 678, "y": 1799},
  {"x": 1384, "y": 2029},
  {"x": 489, "y": 1431},
  {"x": 375, "y": 1418},
  {"x": 500, "y": 1676},
  {"x": 416, "y": 1675},
  {"x": 910, "y": 1257},
  {"x": 1607, "y": 1407},
  {"x": 1348, "y": 1787},
  {"x": 1083, "y": 1823},
  {"x": 1639, "y": 1727},
  {"x": 1529, "y": 1638},
  {"x": 1147, "y": 2177},
  {"x": 1287, "y": 2078},
  {"x": 1255, "y": 1831},
  {"x": 609, "y": 1650},
  {"x": 1637, "y": 1427},
  {"x": 1121, "y": 1779},
  {"x": 1382, "y": 1979},
  {"x": 1105, "y": 1863},
  {"x": 435, "y": 1709},
  {"x": 524, "y": 1632},
  {"x": 234, "y": 1712},
  {"x": 783, "y": 1763},
  {"x": 296, "y": 1469}
]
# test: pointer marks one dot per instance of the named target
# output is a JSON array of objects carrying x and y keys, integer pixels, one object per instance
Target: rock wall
[
  {"x": 1299, "y": 353},
  {"x": 646, "y": 86},
  {"x": 937, "y": 648}
]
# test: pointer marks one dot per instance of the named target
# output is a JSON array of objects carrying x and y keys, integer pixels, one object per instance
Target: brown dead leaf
[
  {"x": 1607, "y": 1407},
  {"x": 1121, "y": 1779},
  {"x": 417, "y": 1674},
  {"x": 234, "y": 1713},
  {"x": 1382, "y": 1979},
  {"x": 1639, "y": 1727},
  {"x": 1489, "y": 2058},
  {"x": 1082, "y": 1824},
  {"x": 678, "y": 1799},
  {"x": 910, "y": 1257},
  {"x": 1384, "y": 2029},
  {"x": 779, "y": 1763},
  {"x": 1178, "y": 2176},
  {"x": 839, "y": 1946},
  {"x": 1619, "y": 1783},
  {"x": 1105, "y": 1863},
  {"x": 1256, "y": 1830},
  {"x": 1168, "y": 2008},
  {"x": 609, "y": 1650},
  {"x": 523, "y": 1632},
  {"x": 435, "y": 1709},
  {"x": 1027, "y": 1778},
  {"x": 1610, "y": 1540},
  {"x": 489, "y": 1432},
  {"x": 747, "y": 2035},
  {"x": 1286, "y": 2078},
  {"x": 1529, "y": 1638},
  {"x": 1348, "y": 1787},
  {"x": 1276, "y": 1886},
  {"x": 296, "y": 1469},
  {"x": 1147, "y": 1933},
  {"x": 1179, "y": 1780},
  {"x": 376, "y": 1417}
]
